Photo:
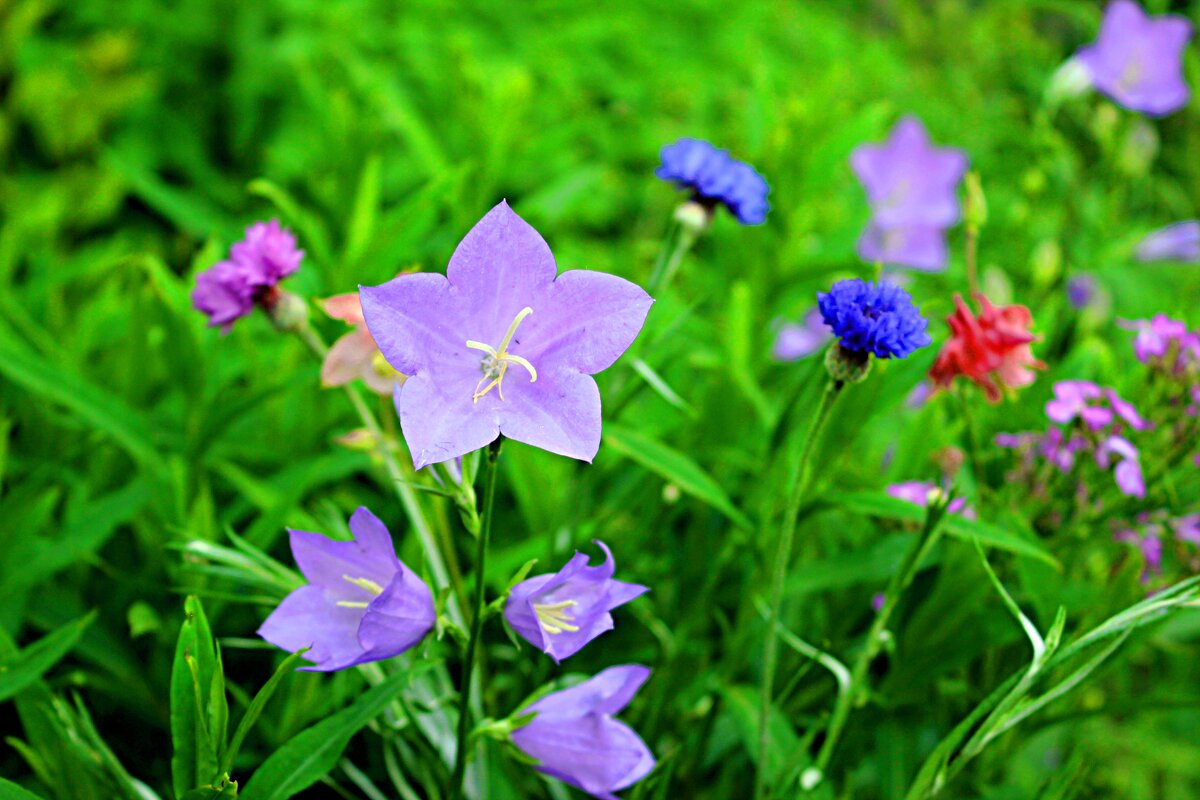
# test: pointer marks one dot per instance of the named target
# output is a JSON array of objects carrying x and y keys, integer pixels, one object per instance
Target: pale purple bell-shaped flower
[
  {"x": 561, "y": 612},
  {"x": 361, "y": 602},
  {"x": 575, "y": 739},
  {"x": 1177, "y": 242},
  {"x": 1137, "y": 60},
  {"x": 796, "y": 340},
  {"x": 500, "y": 346},
  {"x": 919, "y": 247}
]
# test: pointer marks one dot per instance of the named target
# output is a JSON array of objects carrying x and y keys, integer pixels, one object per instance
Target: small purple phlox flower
[
  {"x": 1126, "y": 411},
  {"x": 576, "y": 740},
  {"x": 716, "y": 177},
  {"x": 1177, "y": 242},
  {"x": 795, "y": 340},
  {"x": 1137, "y": 60},
  {"x": 868, "y": 318},
  {"x": 500, "y": 311},
  {"x": 361, "y": 602},
  {"x": 1074, "y": 399},
  {"x": 923, "y": 493},
  {"x": 1187, "y": 528},
  {"x": 229, "y": 289},
  {"x": 1128, "y": 471},
  {"x": 559, "y": 613},
  {"x": 1165, "y": 342},
  {"x": 920, "y": 247}
]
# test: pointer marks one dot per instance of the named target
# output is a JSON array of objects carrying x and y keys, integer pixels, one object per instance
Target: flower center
[
  {"x": 553, "y": 617},
  {"x": 367, "y": 585},
  {"x": 495, "y": 362}
]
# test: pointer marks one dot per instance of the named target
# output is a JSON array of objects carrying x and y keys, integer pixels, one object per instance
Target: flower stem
[
  {"x": 783, "y": 555},
  {"x": 408, "y": 497},
  {"x": 972, "y": 256},
  {"x": 485, "y": 534},
  {"x": 849, "y": 697},
  {"x": 679, "y": 241}
]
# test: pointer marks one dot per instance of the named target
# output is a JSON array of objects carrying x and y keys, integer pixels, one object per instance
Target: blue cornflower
[
  {"x": 716, "y": 177},
  {"x": 873, "y": 319}
]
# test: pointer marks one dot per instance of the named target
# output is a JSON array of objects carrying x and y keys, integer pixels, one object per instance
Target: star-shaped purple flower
[
  {"x": 1176, "y": 242},
  {"x": 361, "y": 603},
  {"x": 500, "y": 313},
  {"x": 559, "y": 613},
  {"x": 1137, "y": 60},
  {"x": 909, "y": 181},
  {"x": 229, "y": 289},
  {"x": 918, "y": 247},
  {"x": 575, "y": 738}
]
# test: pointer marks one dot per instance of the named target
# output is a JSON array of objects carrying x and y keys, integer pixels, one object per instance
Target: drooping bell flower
[
  {"x": 361, "y": 602},
  {"x": 991, "y": 350},
  {"x": 796, "y": 340},
  {"x": 355, "y": 354},
  {"x": 1177, "y": 242},
  {"x": 559, "y": 613},
  {"x": 574, "y": 738},
  {"x": 230, "y": 289},
  {"x": 1137, "y": 60},
  {"x": 500, "y": 346},
  {"x": 923, "y": 493},
  {"x": 716, "y": 178},
  {"x": 912, "y": 187}
]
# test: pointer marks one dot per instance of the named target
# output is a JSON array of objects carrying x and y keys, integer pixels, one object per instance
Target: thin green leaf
[
  {"x": 11, "y": 791},
  {"x": 255, "y": 709},
  {"x": 19, "y": 671}
]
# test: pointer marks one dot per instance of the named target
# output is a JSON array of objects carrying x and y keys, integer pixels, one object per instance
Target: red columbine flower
[{"x": 992, "y": 349}]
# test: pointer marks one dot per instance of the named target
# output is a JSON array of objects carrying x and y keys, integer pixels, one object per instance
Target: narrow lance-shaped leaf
[{"x": 22, "y": 669}]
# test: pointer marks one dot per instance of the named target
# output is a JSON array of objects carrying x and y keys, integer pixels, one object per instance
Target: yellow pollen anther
[
  {"x": 553, "y": 617},
  {"x": 495, "y": 363},
  {"x": 366, "y": 584}
]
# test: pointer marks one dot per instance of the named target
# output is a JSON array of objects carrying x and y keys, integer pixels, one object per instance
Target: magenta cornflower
[
  {"x": 559, "y": 613},
  {"x": 361, "y": 602},
  {"x": 499, "y": 346},
  {"x": 230, "y": 289},
  {"x": 574, "y": 738},
  {"x": 1137, "y": 60}
]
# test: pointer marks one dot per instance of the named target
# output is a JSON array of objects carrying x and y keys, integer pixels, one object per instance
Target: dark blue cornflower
[
  {"x": 716, "y": 177},
  {"x": 869, "y": 318}
]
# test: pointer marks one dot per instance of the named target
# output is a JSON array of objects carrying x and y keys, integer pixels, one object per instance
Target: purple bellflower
[
  {"x": 877, "y": 319},
  {"x": 795, "y": 340},
  {"x": 912, "y": 188},
  {"x": 229, "y": 289},
  {"x": 1177, "y": 242},
  {"x": 575, "y": 739},
  {"x": 499, "y": 312},
  {"x": 559, "y": 613},
  {"x": 361, "y": 602},
  {"x": 1137, "y": 60},
  {"x": 715, "y": 177}
]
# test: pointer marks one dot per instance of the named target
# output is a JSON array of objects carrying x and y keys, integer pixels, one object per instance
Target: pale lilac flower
[
  {"x": 1187, "y": 528},
  {"x": 361, "y": 602},
  {"x": 1177, "y": 242},
  {"x": 918, "y": 396},
  {"x": 909, "y": 181},
  {"x": 923, "y": 493},
  {"x": 230, "y": 289},
  {"x": 575, "y": 739},
  {"x": 1164, "y": 342},
  {"x": 1126, "y": 411},
  {"x": 1128, "y": 471},
  {"x": 498, "y": 312},
  {"x": 559, "y": 613},
  {"x": 916, "y": 246},
  {"x": 795, "y": 340},
  {"x": 1074, "y": 399},
  {"x": 1137, "y": 60}
]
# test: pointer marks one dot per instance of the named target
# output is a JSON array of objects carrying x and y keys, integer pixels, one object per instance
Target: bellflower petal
[
  {"x": 918, "y": 247},
  {"x": 560, "y": 613},
  {"x": 1177, "y": 242},
  {"x": 500, "y": 313},
  {"x": 575, "y": 739},
  {"x": 361, "y": 603},
  {"x": 794, "y": 341}
]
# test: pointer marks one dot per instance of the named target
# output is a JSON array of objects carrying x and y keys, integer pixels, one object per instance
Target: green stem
[
  {"x": 406, "y": 494},
  {"x": 848, "y": 698},
  {"x": 464, "y": 700},
  {"x": 681, "y": 239},
  {"x": 783, "y": 555}
]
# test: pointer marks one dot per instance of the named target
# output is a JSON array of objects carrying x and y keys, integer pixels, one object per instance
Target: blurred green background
[{"x": 138, "y": 139}]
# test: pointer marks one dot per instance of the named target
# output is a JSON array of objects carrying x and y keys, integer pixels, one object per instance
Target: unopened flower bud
[
  {"x": 847, "y": 366},
  {"x": 975, "y": 204},
  {"x": 288, "y": 312},
  {"x": 694, "y": 217}
]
